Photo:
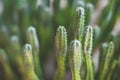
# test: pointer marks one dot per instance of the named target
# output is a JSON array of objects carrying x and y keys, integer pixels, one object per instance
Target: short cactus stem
[
  {"x": 28, "y": 63},
  {"x": 28, "y": 58}
]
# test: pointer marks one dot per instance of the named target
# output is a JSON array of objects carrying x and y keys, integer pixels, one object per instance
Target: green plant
[
  {"x": 88, "y": 45},
  {"x": 6, "y": 70},
  {"x": 75, "y": 59},
  {"x": 61, "y": 50},
  {"x": 108, "y": 52},
  {"x": 33, "y": 40},
  {"x": 28, "y": 63}
]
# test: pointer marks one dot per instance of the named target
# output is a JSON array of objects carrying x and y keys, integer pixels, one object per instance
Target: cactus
[
  {"x": 91, "y": 46},
  {"x": 88, "y": 51},
  {"x": 33, "y": 40},
  {"x": 28, "y": 63},
  {"x": 75, "y": 59},
  {"x": 61, "y": 50},
  {"x": 109, "y": 54},
  {"x": 17, "y": 60},
  {"x": 7, "y": 71},
  {"x": 79, "y": 23}
]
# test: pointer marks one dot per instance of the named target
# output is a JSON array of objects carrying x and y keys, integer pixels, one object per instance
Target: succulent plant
[
  {"x": 61, "y": 51},
  {"x": 75, "y": 59},
  {"x": 28, "y": 63},
  {"x": 94, "y": 42},
  {"x": 88, "y": 44},
  {"x": 33, "y": 40}
]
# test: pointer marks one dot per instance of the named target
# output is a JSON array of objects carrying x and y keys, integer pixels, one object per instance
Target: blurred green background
[{"x": 16, "y": 16}]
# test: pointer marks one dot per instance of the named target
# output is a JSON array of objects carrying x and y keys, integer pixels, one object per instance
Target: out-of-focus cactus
[
  {"x": 5, "y": 67},
  {"x": 61, "y": 50},
  {"x": 33, "y": 40},
  {"x": 109, "y": 53},
  {"x": 75, "y": 59},
  {"x": 113, "y": 66},
  {"x": 115, "y": 75},
  {"x": 29, "y": 63},
  {"x": 17, "y": 61},
  {"x": 103, "y": 51}
]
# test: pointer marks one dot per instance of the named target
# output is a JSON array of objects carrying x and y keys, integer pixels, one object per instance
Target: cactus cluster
[{"x": 33, "y": 47}]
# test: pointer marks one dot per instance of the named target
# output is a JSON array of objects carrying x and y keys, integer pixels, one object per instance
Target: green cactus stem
[
  {"x": 5, "y": 67},
  {"x": 75, "y": 59},
  {"x": 61, "y": 50},
  {"x": 33, "y": 40},
  {"x": 108, "y": 57},
  {"x": 28, "y": 63},
  {"x": 79, "y": 21},
  {"x": 16, "y": 53},
  {"x": 88, "y": 44}
]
